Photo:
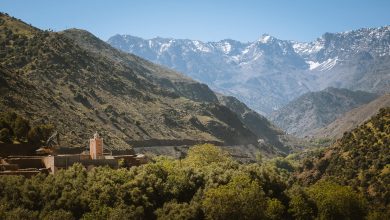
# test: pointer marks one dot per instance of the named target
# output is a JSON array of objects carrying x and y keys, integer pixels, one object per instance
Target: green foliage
[
  {"x": 301, "y": 207},
  {"x": 22, "y": 214},
  {"x": 204, "y": 155},
  {"x": 378, "y": 214},
  {"x": 337, "y": 202},
  {"x": 259, "y": 158},
  {"x": 34, "y": 135},
  {"x": 59, "y": 214},
  {"x": 5, "y": 135},
  {"x": 275, "y": 209},
  {"x": 15, "y": 127},
  {"x": 284, "y": 164},
  {"x": 359, "y": 159},
  {"x": 173, "y": 210},
  {"x": 174, "y": 189},
  {"x": 241, "y": 198},
  {"x": 21, "y": 127}
]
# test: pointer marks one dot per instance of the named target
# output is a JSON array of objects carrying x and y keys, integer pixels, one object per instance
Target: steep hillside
[
  {"x": 317, "y": 109},
  {"x": 260, "y": 126},
  {"x": 353, "y": 118},
  {"x": 83, "y": 85},
  {"x": 361, "y": 159},
  {"x": 269, "y": 73}
]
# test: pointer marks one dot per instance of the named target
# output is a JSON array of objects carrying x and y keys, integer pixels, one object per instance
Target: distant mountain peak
[
  {"x": 265, "y": 38},
  {"x": 268, "y": 73}
]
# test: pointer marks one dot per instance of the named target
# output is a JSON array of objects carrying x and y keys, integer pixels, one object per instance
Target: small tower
[{"x": 96, "y": 147}]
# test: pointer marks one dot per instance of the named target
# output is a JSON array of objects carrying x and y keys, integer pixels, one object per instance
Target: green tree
[
  {"x": 125, "y": 212},
  {"x": 275, "y": 209},
  {"x": 301, "y": 207},
  {"x": 337, "y": 202},
  {"x": 173, "y": 210},
  {"x": 241, "y": 198},
  {"x": 35, "y": 135},
  {"x": 21, "y": 127},
  {"x": 204, "y": 155}
]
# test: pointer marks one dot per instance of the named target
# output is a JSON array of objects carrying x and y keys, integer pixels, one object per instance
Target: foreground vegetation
[
  {"x": 207, "y": 184},
  {"x": 360, "y": 159}
]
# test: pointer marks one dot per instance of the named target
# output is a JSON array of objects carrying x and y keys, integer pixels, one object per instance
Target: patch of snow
[
  {"x": 313, "y": 65},
  {"x": 200, "y": 46},
  {"x": 165, "y": 46},
  {"x": 235, "y": 58},
  {"x": 307, "y": 48},
  {"x": 329, "y": 64},
  {"x": 317, "y": 47},
  {"x": 324, "y": 66},
  {"x": 226, "y": 47},
  {"x": 245, "y": 51},
  {"x": 265, "y": 38}
]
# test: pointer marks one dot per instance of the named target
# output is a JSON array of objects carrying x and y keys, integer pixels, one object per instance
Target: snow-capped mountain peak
[
  {"x": 265, "y": 38},
  {"x": 268, "y": 73}
]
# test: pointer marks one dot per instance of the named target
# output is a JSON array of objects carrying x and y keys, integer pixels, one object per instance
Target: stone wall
[{"x": 17, "y": 149}]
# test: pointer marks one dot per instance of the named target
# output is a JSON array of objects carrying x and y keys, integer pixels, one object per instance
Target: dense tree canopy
[{"x": 178, "y": 189}]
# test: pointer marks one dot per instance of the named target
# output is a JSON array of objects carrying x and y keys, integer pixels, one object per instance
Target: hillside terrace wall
[
  {"x": 54, "y": 163},
  {"x": 23, "y": 149},
  {"x": 29, "y": 162}
]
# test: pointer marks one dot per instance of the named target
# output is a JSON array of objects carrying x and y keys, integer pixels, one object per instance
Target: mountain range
[
  {"x": 314, "y": 110},
  {"x": 269, "y": 73},
  {"x": 81, "y": 85}
]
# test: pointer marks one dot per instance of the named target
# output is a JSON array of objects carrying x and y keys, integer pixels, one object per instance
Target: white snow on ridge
[
  {"x": 165, "y": 46},
  {"x": 307, "y": 48},
  {"x": 200, "y": 46},
  {"x": 264, "y": 39},
  {"x": 313, "y": 65},
  {"x": 324, "y": 66},
  {"x": 329, "y": 64},
  {"x": 226, "y": 47},
  {"x": 246, "y": 50}
]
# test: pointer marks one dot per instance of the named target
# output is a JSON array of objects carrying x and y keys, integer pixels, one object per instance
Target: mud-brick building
[{"x": 28, "y": 165}]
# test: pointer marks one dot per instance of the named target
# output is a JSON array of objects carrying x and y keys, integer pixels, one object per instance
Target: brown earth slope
[
  {"x": 314, "y": 110},
  {"x": 82, "y": 85},
  {"x": 353, "y": 118}
]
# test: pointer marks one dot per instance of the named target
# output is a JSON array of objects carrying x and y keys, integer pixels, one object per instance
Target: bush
[{"x": 5, "y": 135}]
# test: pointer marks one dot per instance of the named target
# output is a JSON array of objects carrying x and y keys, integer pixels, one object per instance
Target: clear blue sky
[{"x": 207, "y": 20}]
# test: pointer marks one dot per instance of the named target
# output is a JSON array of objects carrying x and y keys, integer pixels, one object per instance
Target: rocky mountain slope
[
  {"x": 268, "y": 73},
  {"x": 82, "y": 85},
  {"x": 359, "y": 159},
  {"x": 314, "y": 110},
  {"x": 353, "y": 118}
]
